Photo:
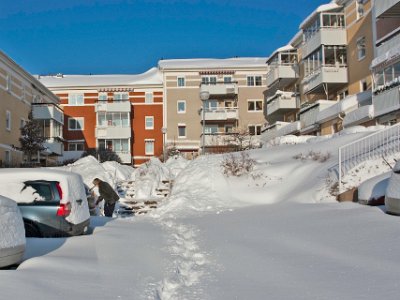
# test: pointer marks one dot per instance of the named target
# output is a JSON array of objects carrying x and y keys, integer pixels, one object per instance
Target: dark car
[{"x": 52, "y": 202}]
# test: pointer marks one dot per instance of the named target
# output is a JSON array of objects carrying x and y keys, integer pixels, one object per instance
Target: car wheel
[{"x": 31, "y": 230}]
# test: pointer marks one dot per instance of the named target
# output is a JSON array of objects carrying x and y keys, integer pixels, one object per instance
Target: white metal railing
[{"x": 381, "y": 143}]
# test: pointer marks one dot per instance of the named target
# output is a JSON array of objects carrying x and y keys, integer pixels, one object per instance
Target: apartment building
[
  {"x": 386, "y": 64},
  {"x": 208, "y": 102},
  {"x": 21, "y": 93},
  {"x": 117, "y": 113}
]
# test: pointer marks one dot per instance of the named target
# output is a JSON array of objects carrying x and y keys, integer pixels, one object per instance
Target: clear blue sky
[{"x": 130, "y": 36}]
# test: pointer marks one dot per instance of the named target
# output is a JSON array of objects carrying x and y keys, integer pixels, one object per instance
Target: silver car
[{"x": 12, "y": 234}]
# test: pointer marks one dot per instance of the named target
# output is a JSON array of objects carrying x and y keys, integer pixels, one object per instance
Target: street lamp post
[
  {"x": 204, "y": 96},
  {"x": 164, "y": 132}
]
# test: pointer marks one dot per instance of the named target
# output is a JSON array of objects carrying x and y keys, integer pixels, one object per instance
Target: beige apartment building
[
  {"x": 20, "y": 93},
  {"x": 209, "y": 102}
]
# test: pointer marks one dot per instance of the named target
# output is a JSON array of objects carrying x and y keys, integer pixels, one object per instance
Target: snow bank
[
  {"x": 117, "y": 171},
  {"x": 373, "y": 188},
  {"x": 175, "y": 165},
  {"x": 12, "y": 232},
  {"x": 392, "y": 199}
]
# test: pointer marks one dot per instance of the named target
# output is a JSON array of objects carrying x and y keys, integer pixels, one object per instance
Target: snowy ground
[{"x": 276, "y": 233}]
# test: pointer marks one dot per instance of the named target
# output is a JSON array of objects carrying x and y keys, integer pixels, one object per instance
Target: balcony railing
[
  {"x": 54, "y": 145},
  {"x": 281, "y": 102},
  {"x": 328, "y": 36},
  {"x": 221, "y": 114},
  {"x": 383, "y": 6},
  {"x": 117, "y": 106},
  {"x": 309, "y": 115},
  {"x": 114, "y": 132},
  {"x": 386, "y": 101},
  {"x": 325, "y": 74},
  {"x": 288, "y": 72},
  {"x": 220, "y": 88},
  {"x": 47, "y": 111},
  {"x": 359, "y": 116}
]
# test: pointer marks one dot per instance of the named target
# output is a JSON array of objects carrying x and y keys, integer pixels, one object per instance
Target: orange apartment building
[{"x": 118, "y": 113}]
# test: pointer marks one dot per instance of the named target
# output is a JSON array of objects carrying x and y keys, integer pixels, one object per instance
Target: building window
[
  {"x": 363, "y": 85},
  {"x": 254, "y": 129},
  {"x": 227, "y": 79},
  {"x": 343, "y": 94},
  {"x": 149, "y": 97},
  {"x": 121, "y": 96},
  {"x": 181, "y": 131},
  {"x": 75, "y": 124},
  {"x": 254, "y": 105},
  {"x": 228, "y": 128},
  {"x": 8, "y": 120},
  {"x": 209, "y": 80},
  {"x": 360, "y": 8},
  {"x": 115, "y": 119},
  {"x": 103, "y": 97},
  {"x": 149, "y": 147},
  {"x": 75, "y": 99},
  {"x": 7, "y": 158},
  {"x": 149, "y": 123},
  {"x": 8, "y": 83},
  {"x": 76, "y": 147},
  {"x": 181, "y": 81},
  {"x": 115, "y": 145},
  {"x": 211, "y": 129},
  {"x": 181, "y": 106},
  {"x": 254, "y": 80},
  {"x": 361, "y": 48}
]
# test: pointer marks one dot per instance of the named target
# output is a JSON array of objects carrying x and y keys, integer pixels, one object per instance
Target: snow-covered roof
[
  {"x": 297, "y": 38},
  {"x": 281, "y": 49},
  {"x": 320, "y": 9},
  {"x": 213, "y": 63},
  {"x": 150, "y": 77}
]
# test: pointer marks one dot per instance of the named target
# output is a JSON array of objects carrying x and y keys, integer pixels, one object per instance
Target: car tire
[{"x": 31, "y": 230}]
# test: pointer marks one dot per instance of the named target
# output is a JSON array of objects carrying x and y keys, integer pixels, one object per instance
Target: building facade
[
  {"x": 119, "y": 114},
  {"x": 210, "y": 103},
  {"x": 21, "y": 93}
]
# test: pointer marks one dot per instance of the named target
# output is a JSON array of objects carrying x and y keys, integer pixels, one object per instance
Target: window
[
  {"x": 181, "y": 106},
  {"x": 181, "y": 81},
  {"x": 360, "y": 8},
  {"x": 254, "y": 105},
  {"x": 76, "y": 147},
  {"x": 75, "y": 99},
  {"x": 116, "y": 119},
  {"x": 8, "y": 120},
  {"x": 209, "y": 80},
  {"x": 363, "y": 85},
  {"x": 8, "y": 83},
  {"x": 149, "y": 147},
  {"x": 211, "y": 129},
  {"x": 181, "y": 131},
  {"x": 227, "y": 79},
  {"x": 228, "y": 104},
  {"x": 228, "y": 128},
  {"x": 254, "y": 80},
  {"x": 103, "y": 97},
  {"x": 149, "y": 97},
  {"x": 211, "y": 104},
  {"x": 116, "y": 145},
  {"x": 121, "y": 96},
  {"x": 254, "y": 129},
  {"x": 75, "y": 124},
  {"x": 149, "y": 123},
  {"x": 361, "y": 48}
]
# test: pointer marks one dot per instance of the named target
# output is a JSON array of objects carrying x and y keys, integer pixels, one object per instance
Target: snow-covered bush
[
  {"x": 313, "y": 155},
  {"x": 237, "y": 165}
]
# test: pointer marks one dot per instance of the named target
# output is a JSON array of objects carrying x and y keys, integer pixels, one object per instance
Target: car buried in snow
[
  {"x": 53, "y": 203},
  {"x": 12, "y": 234}
]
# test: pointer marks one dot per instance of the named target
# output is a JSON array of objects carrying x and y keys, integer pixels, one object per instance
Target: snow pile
[
  {"x": 175, "y": 165},
  {"x": 393, "y": 188},
  {"x": 12, "y": 232},
  {"x": 117, "y": 171},
  {"x": 148, "y": 177},
  {"x": 373, "y": 188}
]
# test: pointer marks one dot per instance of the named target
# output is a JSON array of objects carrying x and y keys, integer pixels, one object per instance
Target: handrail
[{"x": 381, "y": 143}]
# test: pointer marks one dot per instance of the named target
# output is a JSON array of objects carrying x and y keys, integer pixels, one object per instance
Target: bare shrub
[
  {"x": 237, "y": 165},
  {"x": 313, "y": 155}
]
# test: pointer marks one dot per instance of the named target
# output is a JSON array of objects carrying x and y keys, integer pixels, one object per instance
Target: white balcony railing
[
  {"x": 328, "y": 36},
  {"x": 220, "y": 88},
  {"x": 286, "y": 71},
  {"x": 117, "y": 106},
  {"x": 54, "y": 146},
  {"x": 386, "y": 101},
  {"x": 359, "y": 116},
  {"x": 113, "y": 132},
  {"x": 218, "y": 139},
  {"x": 221, "y": 114},
  {"x": 290, "y": 128},
  {"x": 281, "y": 102},
  {"x": 325, "y": 74},
  {"x": 309, "y": 115}
]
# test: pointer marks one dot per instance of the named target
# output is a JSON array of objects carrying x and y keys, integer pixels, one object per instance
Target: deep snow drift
[{"x": 274, "y": 233}]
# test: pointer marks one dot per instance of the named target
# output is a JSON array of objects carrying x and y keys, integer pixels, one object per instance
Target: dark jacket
[{"x": 107, "y": 193}]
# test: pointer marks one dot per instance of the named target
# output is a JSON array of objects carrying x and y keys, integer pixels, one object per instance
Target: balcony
[
  {"x": 290, "y": 128},
  {"x": 285, "y": 74},
  {"x": 386, "y": 101},
  {"x": 334, "y": 76},
  {"x": 218, "y": 139},
  {"x": 359, "y": 116},
  {"x": 281, "y": 102},
  {"x": 47, "y": 111},
  {"x": 272, "y": 131},
  {"x": 221, "y": 114},
  {"x": 117, "y": 106},
  {"x": 330, "y": 36},
  {"x": 308, "y": 115},
  {"x": 384, "y": 8},
  {"x": 54, "y": 146},
  {"x": 220, "y": 89},
  {"x": 113, "y": 132}
]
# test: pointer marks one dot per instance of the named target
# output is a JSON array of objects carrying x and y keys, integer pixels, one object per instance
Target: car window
[{"x": 43, "y": 189}]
